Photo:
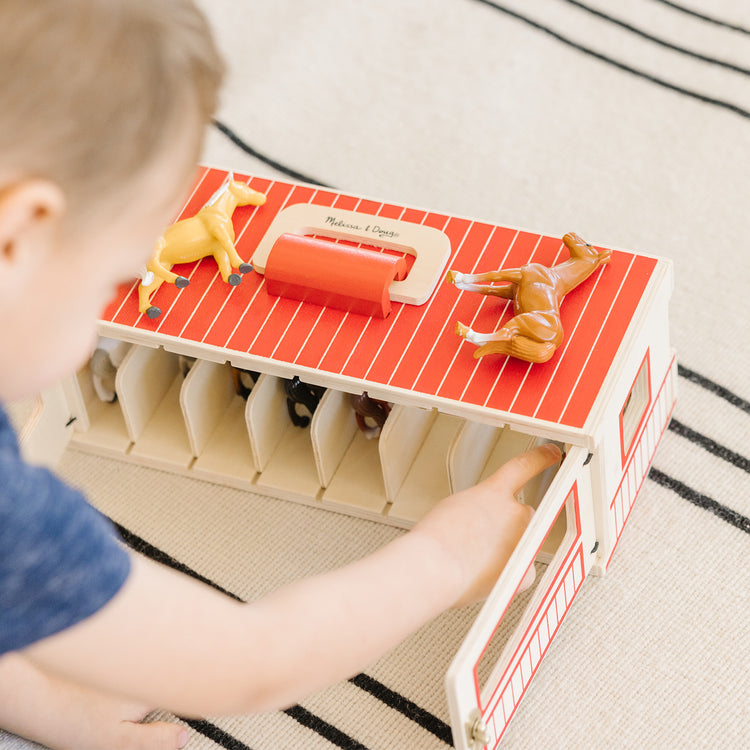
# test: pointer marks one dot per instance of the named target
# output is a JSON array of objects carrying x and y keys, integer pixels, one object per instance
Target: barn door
[{"x": 496, "y": 662}]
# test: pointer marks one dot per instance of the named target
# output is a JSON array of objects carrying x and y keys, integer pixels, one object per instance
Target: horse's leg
[
  {"x": 144, "y": 295},
  {"x": 467, "y": 282},
  {"x": 165, "y": 273},
  {"x": 532, "y": 337},
  {"x": 225, "y": 267},
  {"x": 498, "y": 342},
  {"x": 506, "y": 341},
  {"x": 222, "y": 232},
  {"x": 512, "y": 275},
  {"x": 235, "y": 260},
  {"x": 507, "y": 291},
  {"x": 474, "y": 337}
]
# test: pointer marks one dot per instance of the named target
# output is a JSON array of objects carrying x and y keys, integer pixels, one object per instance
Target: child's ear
[{"x": 30, "y": 214}]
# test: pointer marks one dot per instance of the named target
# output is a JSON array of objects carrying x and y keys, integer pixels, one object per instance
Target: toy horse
[
  {"x": 370, "y": 414},
  {"x": 209, "y": 232},
  {"x": 304, "y": 395},
  {"x": 535, "y": 332},
  {"x": 244, "y": 381}
]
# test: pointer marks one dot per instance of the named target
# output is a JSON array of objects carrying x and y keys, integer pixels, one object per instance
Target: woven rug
[{"x": 628, "y": 123}]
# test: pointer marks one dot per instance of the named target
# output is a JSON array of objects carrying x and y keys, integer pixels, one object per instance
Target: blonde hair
[{"x": 91, "y": 90}]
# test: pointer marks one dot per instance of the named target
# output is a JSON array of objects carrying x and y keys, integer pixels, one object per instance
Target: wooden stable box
[{"x": 606, "y": 396}]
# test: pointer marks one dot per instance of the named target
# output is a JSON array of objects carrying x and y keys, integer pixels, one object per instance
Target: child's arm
[{"x": 175, "y": 643}]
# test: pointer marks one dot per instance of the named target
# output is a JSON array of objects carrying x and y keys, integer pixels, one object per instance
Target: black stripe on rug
[
  {"x": 214, "y": 733},
  {"x": 710, "y": 445},
  {"x": 732, "y": 517},
  {"x": 704, "y": 17},
  {"x": 655, "y": 39},
  {"x": 389, "y": 697},
  {"x": 410, "y": 710},
  {"x": 703, "y": 98},
  {"x": 715, "y": 388},
  {"x": 248, "y": 149},
  {"x": 154, "y": 553},
  {"x": 323, "y": 728}
]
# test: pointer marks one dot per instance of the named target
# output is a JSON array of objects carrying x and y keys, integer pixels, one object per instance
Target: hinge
[{"x": 476, "y": 729}]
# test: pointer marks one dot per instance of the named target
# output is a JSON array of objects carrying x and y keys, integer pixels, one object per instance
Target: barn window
[{"x": 634, "y": 409}]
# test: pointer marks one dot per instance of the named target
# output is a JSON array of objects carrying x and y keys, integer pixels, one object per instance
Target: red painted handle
[{"x": 332, "y": 274}]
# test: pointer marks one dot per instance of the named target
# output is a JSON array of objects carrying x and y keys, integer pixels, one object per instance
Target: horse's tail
[
  {"x": 520, "y": 347},
  {"x": 531, "y": 351}
]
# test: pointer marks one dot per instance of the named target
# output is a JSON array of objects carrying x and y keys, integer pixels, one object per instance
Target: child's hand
[{"x": 478, "y": 529}]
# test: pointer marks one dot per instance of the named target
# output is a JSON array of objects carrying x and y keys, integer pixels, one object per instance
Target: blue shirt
[{"x": 60, "y": 559}]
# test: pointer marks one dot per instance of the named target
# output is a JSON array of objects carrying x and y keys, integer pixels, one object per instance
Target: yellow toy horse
[{"x": 209, "y": 232}]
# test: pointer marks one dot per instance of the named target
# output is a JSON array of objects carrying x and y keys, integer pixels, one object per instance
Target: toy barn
[{"x": 259, "y": 383}]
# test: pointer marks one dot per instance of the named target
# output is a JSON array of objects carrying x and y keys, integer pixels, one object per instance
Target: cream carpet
[{"x": 627, "y": 122}]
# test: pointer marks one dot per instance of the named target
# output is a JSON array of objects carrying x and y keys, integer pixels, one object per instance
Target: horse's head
[
  {"x": 579, "y": 248},
  {"x": 245, "y": 195},
  {"x": 572, "y": 241}
]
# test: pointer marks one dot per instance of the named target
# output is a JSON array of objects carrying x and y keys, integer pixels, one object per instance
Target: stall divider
[
  {"x": 204, "y": 398},
  {"x": 427, "y": 480},
  {"x": 332, "y": 430},
  {"x": 148, "y": 385}
]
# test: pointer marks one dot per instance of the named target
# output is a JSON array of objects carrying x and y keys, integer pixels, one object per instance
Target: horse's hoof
[
  {"x": 245, "y": 268},
  {"x": 462, "y": 330},
  {"x": 234, "y": 279},
  {"x": 181, "y": 282},
  {"x": 153, "y": 312}
]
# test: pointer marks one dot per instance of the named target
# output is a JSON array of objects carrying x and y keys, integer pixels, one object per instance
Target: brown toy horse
[
  {"x": 535, "y": 332},
  {"x": 209, "y": 232}
]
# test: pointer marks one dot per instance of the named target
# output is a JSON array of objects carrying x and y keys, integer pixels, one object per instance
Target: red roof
[{"x": 415, "y": 348}]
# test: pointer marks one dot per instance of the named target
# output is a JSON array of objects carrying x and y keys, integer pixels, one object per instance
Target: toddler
[{"x": 104, "y": 104}]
